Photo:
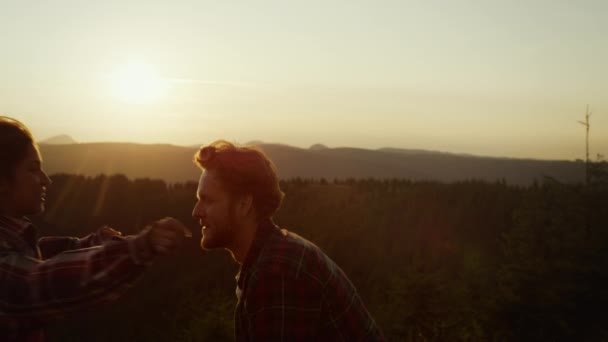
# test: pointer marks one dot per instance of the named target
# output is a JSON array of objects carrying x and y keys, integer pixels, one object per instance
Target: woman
[{"x": 41, "y": 279}]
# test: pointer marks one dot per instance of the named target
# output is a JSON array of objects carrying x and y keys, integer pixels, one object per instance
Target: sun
[{"x": 138, "y": 83}]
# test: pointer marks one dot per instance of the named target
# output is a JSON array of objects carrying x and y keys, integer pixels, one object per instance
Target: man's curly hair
[{"x": 244, "y": 170}]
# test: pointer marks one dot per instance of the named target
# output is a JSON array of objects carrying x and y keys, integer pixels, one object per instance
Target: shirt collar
[{"x": 265, "y": 228}]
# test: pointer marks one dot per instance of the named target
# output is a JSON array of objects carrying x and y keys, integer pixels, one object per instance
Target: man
[
  {"x": 287, "y": 288},
  {"x": 42, "y": 279}
]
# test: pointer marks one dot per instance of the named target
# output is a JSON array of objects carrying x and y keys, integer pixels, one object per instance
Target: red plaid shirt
[
  {"x": 289, "y": 290},
  {"x": 47, "y": 278}
]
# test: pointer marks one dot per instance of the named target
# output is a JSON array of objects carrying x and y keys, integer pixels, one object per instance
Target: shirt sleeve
[
  {"x": 53, "y": 245},
  {"x": 69, "y": 281},
  {"x": 282, "y": 308}
]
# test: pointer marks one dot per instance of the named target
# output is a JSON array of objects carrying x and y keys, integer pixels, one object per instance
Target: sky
[{"x": 495, "y": 78}]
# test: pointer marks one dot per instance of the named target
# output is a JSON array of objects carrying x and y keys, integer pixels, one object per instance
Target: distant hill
[
  {"x": 417, "y": 151},
  {"x": 174, "y": 163},
  {"x": 62, "y": 139},
  {"x": 318, "y": 147}
]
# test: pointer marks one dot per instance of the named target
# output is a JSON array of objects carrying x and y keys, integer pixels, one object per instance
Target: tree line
[{"x": 470, "y": 261}]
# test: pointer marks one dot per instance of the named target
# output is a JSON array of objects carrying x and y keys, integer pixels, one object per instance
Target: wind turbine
[{"x": 587, "y": 125}]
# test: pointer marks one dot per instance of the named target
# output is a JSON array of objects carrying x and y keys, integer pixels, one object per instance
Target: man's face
[
  {"x": 25, "y": 193},
  {"x": 215, "y": 212}
]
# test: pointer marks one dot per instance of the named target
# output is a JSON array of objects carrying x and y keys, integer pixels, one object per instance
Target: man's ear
[{"x": 245, "y": 204}]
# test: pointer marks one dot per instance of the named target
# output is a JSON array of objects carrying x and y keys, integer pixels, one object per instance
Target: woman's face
[{"x": 25, "y": 193}]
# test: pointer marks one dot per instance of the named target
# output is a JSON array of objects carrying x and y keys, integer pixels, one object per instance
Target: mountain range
[{"x": 174, "y": 163}]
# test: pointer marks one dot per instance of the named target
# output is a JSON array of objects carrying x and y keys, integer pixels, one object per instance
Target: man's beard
[{"x": 222, "y": 234}]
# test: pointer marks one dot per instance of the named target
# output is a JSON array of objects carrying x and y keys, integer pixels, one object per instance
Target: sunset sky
[{"x": 500, "y": 78}]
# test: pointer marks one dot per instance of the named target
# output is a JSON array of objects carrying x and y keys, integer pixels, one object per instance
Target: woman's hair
[
  {"x": 15, "y": 139},
  {"x": 244, "y": 171}
]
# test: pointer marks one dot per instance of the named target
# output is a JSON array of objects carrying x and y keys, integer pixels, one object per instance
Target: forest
[{"x": 461, "y": 261}]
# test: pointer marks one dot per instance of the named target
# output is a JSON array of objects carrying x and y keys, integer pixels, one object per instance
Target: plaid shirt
[
  {"x": 289, "y": 290},
  {"x": 44, "y": 279}
]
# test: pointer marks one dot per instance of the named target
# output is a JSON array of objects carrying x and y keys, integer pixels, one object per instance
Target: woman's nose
[{"x": 46, "y": 180}]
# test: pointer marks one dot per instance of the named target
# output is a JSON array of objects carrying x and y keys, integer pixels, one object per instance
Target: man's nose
[{"x": 197, "y": 213}]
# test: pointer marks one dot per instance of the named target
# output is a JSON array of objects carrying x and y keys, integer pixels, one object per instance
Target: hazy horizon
[
  {"x": 490, "y": 79},
  {"x": 304, "y": 147}
]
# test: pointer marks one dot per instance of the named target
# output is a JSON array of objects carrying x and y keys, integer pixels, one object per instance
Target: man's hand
[{"x": 166, "y": 235}]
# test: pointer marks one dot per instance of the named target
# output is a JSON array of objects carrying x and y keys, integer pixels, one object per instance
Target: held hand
[
  {"x": 106, "y": 232},
  {"x": 166, "y": 235}
]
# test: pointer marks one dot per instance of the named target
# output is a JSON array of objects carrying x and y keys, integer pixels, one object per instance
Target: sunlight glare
[{"x": 138, "y": 83}]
